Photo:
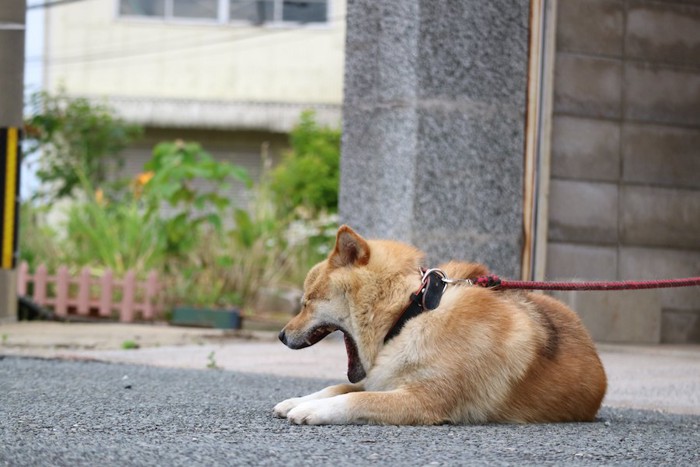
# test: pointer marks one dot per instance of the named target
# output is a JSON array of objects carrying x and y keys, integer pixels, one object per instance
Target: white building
[{"x": 230, "y": 74}]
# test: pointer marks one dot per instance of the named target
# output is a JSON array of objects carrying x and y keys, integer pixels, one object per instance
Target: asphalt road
[{"x": 56, "y": 412}]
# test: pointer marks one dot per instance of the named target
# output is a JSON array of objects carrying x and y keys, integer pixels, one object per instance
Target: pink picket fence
[{"x": 85, "y": 295}]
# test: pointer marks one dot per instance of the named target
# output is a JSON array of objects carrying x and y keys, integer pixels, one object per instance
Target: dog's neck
[{"x": 425, "y": 298}]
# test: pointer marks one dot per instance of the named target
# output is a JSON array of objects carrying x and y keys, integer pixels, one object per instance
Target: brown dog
[{"x": 482, "y": 355}]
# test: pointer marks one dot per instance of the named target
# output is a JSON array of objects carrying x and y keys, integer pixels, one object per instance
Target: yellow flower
[
  {"x": 100, "y": 196},
  {"x": 140, "y": 181},
  {"x": 143, "y": 178}
]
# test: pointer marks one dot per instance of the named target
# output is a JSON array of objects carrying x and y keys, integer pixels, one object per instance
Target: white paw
[
  {"x": 331, "y": 411},
  {"x": 283, "y": 408}
]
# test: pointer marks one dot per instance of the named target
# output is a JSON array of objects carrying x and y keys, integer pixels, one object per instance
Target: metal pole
[{"x": 12, "y": 25}]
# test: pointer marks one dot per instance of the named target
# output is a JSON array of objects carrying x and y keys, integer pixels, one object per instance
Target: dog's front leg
[
  {"x": 283, "y": 408},
  {"x": 398, "y": 407}
]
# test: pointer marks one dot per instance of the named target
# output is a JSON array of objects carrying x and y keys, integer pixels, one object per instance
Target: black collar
[{"x": 426, "y": 298}]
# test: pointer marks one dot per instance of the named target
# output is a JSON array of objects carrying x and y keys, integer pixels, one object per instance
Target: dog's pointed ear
[{"x": 350, "y": 249}]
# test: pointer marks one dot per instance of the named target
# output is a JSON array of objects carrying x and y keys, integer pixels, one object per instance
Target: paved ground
[
  {"x": 654, "y": 377},
  {"x": 83, "y": 407},
  {"x": 86, "y": 413}
]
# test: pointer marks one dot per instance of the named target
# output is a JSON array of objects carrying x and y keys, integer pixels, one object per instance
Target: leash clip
[{"x": 433, "y": 285}]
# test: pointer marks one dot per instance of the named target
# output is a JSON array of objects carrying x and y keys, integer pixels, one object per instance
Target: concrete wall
[
  {"x": 433, "y": 126},
  {"x": 625, "y": 188}
]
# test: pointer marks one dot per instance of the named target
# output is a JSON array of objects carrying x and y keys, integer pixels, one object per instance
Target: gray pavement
[
  {"x": 62, "y": 412},
  {"x": 663, "y": 378},
  {"x": 72, "y": 396}
]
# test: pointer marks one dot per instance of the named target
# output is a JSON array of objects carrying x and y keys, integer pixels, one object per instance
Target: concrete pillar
[
  {"x": 12, "y": 14},
  {"x": 434, "y": 126}
]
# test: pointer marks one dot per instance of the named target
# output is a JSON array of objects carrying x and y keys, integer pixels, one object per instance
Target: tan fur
[{"x": 482, "y": 356}]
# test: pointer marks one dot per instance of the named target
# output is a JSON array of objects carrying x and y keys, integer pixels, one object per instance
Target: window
[
  {"x": 142, "y": 8},
  {"x": 257, "y": 11},
  {"x": 199, "y": 9},
  {"x": 265, "y": 11},
  {"x": 304, "y": 12},
  {"x": 194, "y": 9},
  {"x": 250, "y": 11}
]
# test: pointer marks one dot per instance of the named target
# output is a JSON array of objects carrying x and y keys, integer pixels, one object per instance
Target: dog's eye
[{"x": 305, "y": 300}]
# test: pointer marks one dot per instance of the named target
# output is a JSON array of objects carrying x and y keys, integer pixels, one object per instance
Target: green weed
[
  {"x": 211, "y": 361},
  {"x": 129, "y": 345}
]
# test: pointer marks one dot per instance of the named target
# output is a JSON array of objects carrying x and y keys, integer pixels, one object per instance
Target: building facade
[{"x": 233, "y": 75}]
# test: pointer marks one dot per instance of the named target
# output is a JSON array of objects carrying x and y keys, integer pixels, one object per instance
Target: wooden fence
[{"x": 86, "y": 295}]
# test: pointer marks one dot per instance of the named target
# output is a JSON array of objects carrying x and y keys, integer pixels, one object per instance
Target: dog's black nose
[{"x": 283, "y": 337}]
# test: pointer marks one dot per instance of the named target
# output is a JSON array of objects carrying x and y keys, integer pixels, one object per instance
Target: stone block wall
[{"x": 625, "y": 166}]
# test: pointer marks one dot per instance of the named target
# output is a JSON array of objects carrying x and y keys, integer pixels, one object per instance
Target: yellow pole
[{"x": 10, "y": 200}]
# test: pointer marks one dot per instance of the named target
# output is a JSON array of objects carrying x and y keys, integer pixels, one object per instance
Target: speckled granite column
[{"x": 433, "y": 126}]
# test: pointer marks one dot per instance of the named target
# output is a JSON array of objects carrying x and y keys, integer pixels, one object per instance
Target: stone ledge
[{"x": 224, "y": 115}]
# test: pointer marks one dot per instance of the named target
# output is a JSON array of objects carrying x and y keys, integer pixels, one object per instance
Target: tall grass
[
  {"x": 224, "y": 268},
  {"x": 114, "y": 235},
  {"x": 38, "y": 241}
]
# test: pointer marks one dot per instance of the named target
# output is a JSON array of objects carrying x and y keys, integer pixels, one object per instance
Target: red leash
[{"x": 497, "y": 282}]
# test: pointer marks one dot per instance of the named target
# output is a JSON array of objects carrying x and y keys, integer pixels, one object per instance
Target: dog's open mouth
[{"x": 356, "y": 371}]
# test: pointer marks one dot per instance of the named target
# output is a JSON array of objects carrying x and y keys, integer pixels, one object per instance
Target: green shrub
[
  {"x": 72, "y": 136},
  {"x": 309, "y": 173},
  {"x": 172, "y": 173}
]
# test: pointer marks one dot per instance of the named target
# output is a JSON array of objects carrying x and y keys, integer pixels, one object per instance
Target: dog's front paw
[
  {"x": 332, "y": 411},
  {"x": 282, "y": 409}
]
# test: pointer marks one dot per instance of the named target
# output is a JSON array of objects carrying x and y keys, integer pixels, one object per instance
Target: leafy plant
[
  {"x": 74, "y": 135},
  {"x": 130, "y": 345},
  {"x": 309, "y": 173},
  {"x": 173, "y": 171}
]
